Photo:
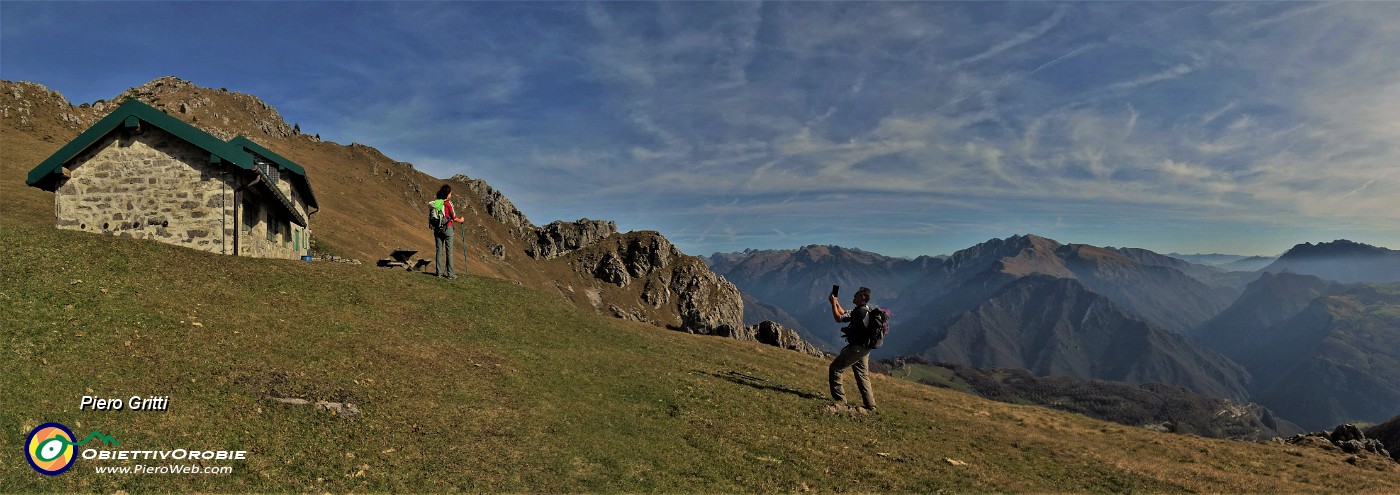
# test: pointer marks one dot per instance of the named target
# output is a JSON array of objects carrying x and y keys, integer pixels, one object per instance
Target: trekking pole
[{"x": 465, "y": 258}]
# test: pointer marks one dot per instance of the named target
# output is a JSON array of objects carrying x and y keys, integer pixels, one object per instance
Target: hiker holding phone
[{"x": 856, "y": 354}]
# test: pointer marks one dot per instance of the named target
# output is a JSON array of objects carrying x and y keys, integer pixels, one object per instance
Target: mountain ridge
[
  {"x": 1057, "y": 327},
  {"x": 1161, "y": 293},
  {"x": 1341, "y": 260}
]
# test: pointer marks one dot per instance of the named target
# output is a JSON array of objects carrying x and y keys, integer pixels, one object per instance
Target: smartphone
[{"x": 835, "y": 290}]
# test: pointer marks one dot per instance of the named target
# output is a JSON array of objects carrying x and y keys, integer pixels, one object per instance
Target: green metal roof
[
  {"x": 248, "y": 145},
  {"x": 131, "y": 113}
]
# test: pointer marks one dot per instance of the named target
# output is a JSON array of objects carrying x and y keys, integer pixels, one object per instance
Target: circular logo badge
[{"x": 49, "y": 449}]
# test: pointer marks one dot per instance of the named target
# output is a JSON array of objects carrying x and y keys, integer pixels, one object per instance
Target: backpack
[
  {"x": 871, "y": 332},
  {"x": 437, "y": 217},
  {"x": 878, "y": 326}
]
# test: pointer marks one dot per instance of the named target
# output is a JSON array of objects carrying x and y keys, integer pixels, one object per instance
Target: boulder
[
  {"x": 776, "y": 335},
  {"x": 1352, "y": 441},
  {"x": 1348, "y": 438}
]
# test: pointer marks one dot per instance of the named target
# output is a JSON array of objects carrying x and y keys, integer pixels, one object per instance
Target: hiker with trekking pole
[{"x": 441, "y": 214}]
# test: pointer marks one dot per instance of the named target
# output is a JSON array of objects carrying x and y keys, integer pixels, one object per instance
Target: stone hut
[{"x": 144, "y": 174}]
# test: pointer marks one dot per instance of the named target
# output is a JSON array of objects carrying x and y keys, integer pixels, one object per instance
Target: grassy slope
[
  {"x": 481, "y": 384},
  {"x": 20, "y": 203}
]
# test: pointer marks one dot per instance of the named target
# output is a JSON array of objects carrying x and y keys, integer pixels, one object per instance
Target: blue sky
[{"x": 901, "y": 128}]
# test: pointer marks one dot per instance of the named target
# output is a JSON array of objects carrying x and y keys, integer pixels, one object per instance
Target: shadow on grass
[{"x": 760, "y": 383}]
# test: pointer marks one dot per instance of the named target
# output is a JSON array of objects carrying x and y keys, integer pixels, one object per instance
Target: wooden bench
[{"x": 402, "y": 258}]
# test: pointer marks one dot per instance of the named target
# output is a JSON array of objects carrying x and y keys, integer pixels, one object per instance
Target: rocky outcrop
[
  {"x": 649, "y": 279},
  {"x": 542, "y": 243},
  {"x": 498, "y": 206},
  {"x": 1346, "y": 437},
  {"x": 776, "y": 335},
  {"x": 561, "y": 238},
  {"x": 35, "y": 109},
  {"x": 1350, "y": 439},
  {"x": 613, "y": 271},
  {"x": 646, "y": 278},
  {"x": 231, "y": 114},
  {"x": 223, "y": 114},
  {"x": 706, "y": 303}
]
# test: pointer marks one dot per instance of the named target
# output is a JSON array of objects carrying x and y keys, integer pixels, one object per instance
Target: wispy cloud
[
  {"x": 1019, "y": 39},
  {"x": 1174, "y": 72}
]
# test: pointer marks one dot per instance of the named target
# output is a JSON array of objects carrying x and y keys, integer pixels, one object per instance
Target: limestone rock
[
  {"x": 1348, "y": 438},
  {"x": 560, "y": 238},
  {"x": 654, "y": 281},
  {"x": 611, "y": 270},
  {"x": 497, "y": 205},
  {"x": 776, "y": 335},
  {"x": 707, "y": 303}
]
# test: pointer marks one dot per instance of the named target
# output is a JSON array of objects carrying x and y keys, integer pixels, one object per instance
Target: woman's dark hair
[{"x": 444, "y": 191}]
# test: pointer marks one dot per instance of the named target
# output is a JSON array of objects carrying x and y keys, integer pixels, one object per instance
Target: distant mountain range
[
  {"x": 1341, "y": 260},
  {"x": 1213, "y": 259},
  {"x": 1145, "y": 284},
  {"x": 1317, "y": 349},
  {"x": 1250, "y": 264},
  {"x": 1071, "y": 310},
  {"x": 1320, "y": 352},
  {"x": 1056, "y": 326},
  {"x": 974, "y": 308},
  {"x": 1227, "y": 262}
]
